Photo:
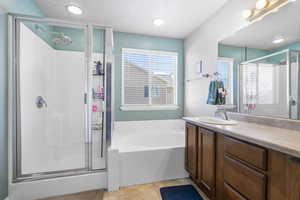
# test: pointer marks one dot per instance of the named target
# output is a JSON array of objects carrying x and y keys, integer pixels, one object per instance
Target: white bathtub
[
  {"x": 151, "y": 141},
  {"x": 150, "y": 151}
]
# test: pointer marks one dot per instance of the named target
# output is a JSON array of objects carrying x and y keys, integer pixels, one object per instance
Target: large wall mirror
[{"x": 262, "y": 63}]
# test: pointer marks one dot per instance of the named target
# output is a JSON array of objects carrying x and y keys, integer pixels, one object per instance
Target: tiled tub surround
[
  {"x": 279, "y": 139},
  {"x": 148, "y": 151}
]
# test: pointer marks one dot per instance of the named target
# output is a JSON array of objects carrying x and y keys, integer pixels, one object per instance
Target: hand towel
[
  {"x": 216, "y": 93},
  {"x": 221, "y": 93},
  {"x": 212, "y": 93}
]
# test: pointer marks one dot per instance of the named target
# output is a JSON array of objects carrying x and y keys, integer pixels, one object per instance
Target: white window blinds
[{"x": 149, "y": 77}]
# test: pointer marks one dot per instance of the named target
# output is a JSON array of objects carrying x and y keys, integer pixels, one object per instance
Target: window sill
[{"x": 148, "y": 108}]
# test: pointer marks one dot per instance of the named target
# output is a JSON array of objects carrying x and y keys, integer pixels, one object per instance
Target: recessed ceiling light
[
  {"x": 158, "y": 22},
  {"x": 74, "y": 9},
  {"x": 278, "y": 40}
]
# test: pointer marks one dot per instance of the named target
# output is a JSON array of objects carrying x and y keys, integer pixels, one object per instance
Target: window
[
  {"x": 225, "y": 69},
  {"x": 149, "y": 79}
]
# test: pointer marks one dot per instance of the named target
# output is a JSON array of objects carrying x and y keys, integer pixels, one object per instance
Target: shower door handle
[
  {"x": 40, "y": 102},
  {"x": 293, "y": 102}
]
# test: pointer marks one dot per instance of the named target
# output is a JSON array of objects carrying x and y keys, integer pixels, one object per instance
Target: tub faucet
[{"x": 223, "y": 111}]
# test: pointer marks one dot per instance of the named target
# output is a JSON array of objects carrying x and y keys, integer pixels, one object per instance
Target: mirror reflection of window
[{"x": 225, "y": 69}]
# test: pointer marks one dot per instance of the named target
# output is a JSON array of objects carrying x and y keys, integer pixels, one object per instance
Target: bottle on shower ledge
[
  {"x": 95, "y": 108},
  {"x": 99, "y": 68}
]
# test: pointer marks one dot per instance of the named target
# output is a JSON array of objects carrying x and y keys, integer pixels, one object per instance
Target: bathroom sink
[{"x": 215, "y": 121}]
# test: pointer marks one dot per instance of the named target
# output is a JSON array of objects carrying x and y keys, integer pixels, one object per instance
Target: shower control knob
[{"x": 40, "y": 102}]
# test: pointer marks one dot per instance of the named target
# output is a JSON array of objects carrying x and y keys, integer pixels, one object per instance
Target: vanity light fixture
[
  {"x": 263, "y": 8},
  {"x": 74, "y": 9},
  {"x": 247, "y": 13},
  {"x": 261, "y": 4},
  {"x": 158, "y": 22}
]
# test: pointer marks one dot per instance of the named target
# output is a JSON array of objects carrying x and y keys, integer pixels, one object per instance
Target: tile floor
[{"x": 138, "y": 192}]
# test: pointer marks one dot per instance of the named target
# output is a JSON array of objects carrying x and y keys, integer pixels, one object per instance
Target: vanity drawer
[
  {"x": 246, "y": 181},
  {"x": 231, "y": 194},
  {"x": 251, "y": 154}
]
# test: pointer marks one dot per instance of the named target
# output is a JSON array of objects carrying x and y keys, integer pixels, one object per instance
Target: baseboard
[{"x": 57, "y": 186}]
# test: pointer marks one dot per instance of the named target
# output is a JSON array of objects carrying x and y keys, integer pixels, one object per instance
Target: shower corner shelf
[{"x": 98, "y": 74}]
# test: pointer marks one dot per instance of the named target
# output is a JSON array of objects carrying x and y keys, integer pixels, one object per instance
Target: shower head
[{"x": 62, "y": 39}]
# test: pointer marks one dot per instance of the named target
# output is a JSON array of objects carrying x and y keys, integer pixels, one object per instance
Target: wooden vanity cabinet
[
  {"x": 226, "y": 168},
  {"x": 206, "y": 166},
  {"x": 244, "y": 169},
  {"x": 200, "y": 158},
  {"x": 191, "y": 150},
  {"x": 293, "y": 178},
  {"x": 284, "y": 177}
]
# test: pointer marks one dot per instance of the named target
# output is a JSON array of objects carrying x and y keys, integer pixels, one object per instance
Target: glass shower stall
[
  {"x": 60, "y": 92},
  {"x": 269, "y": 85}
]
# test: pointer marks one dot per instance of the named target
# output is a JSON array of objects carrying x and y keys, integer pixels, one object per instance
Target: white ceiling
[
  {"x": 135, "y": 16},
  {"x": 260, "y": 35}
]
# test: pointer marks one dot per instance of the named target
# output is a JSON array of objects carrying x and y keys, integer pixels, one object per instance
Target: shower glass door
[
  {"x": 270, "y": 86},
  {"x": 51, "y": 76}
]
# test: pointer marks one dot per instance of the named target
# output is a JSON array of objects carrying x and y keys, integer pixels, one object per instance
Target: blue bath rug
[{"x": 182, "y": 192}]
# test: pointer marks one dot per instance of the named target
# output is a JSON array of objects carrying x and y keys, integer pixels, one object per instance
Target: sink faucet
[{"x": 223, "y": 111}]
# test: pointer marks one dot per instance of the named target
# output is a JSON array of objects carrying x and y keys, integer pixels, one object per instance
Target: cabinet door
[
  {"x": 293, "y": 178},
  {"x": 191, "y": 150},
  {"x": 207, "y": 161},
  {"x": 284, "y": 180}
]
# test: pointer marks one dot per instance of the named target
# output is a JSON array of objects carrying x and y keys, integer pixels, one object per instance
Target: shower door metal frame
[{"x": 14, "y": 105}]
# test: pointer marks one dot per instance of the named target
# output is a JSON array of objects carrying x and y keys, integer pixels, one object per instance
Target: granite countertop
[{"x": 279, "y": 139}]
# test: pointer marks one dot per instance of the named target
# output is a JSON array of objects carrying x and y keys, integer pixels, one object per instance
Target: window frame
[
  {"x": 138, "y": 107},
  {"x": 230, "y": 78}
]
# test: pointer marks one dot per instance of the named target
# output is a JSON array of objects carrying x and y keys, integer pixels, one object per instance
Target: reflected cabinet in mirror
[{"x": 265, "y": 64}]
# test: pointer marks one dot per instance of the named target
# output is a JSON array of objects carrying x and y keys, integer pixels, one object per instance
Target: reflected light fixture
[
  {"x": 263, "y": 8},
  {"x": 74, "y": 9},
  {"x": 158, "y": 22},
  {"x": 247, "y": 13},
  {"x": 261, "y": 4},
  {"x": 278, "y": 39}
]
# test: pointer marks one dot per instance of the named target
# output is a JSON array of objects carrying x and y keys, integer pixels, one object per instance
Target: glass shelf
[{"x": 98, "y": 74}]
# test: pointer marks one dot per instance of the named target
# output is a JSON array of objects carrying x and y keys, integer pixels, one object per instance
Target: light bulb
[
  {"x": 247, "y": 13},
  {"x": 261, "y": 4}
]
